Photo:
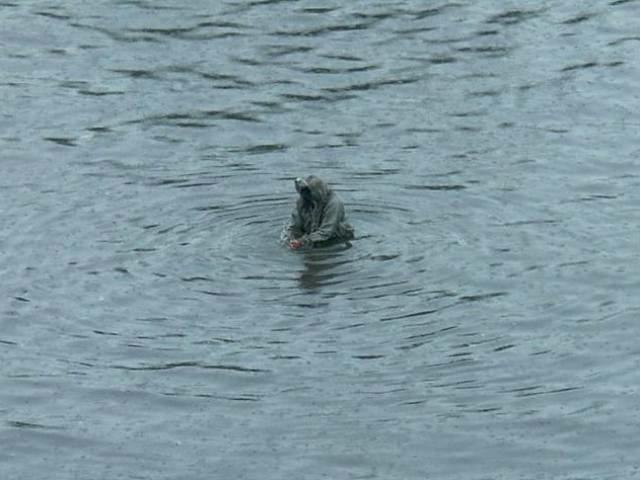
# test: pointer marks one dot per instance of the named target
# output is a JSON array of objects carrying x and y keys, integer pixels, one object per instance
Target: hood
[{"x": 320, "y": 191}]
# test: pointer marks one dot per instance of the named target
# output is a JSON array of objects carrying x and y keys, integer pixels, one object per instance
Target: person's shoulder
[{"x": 334, "y": 200}]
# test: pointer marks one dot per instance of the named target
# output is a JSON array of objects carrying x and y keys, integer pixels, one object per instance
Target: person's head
[
  {"x": 303, "y": 188},
  {"x": 313, "y": 190}
]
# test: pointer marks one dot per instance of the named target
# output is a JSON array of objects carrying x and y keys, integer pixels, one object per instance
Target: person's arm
[
  {"x": 295, "y": 225},
  {"x": 333, "y": 214}
]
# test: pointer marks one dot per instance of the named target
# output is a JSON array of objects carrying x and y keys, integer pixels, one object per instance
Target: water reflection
[{"x": 322, "y": 266}]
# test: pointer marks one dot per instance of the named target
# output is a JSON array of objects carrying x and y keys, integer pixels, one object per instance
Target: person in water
[{"x": 318, "y": 215}]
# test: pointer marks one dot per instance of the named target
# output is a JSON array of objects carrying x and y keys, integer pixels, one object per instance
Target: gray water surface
[{"x": 483, "y": 325}]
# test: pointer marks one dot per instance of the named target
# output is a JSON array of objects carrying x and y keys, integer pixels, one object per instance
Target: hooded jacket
[{"x": 319, "y": 214}]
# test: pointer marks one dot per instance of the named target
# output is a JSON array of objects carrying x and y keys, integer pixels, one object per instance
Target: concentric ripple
[{"x": 483, "y": 322}]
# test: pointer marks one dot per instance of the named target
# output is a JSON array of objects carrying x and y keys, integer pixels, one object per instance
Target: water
[{"x": 483, "y": 325}]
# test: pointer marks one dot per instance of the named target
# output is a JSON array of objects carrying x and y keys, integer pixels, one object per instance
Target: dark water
[{"x": 484, "y": 325}]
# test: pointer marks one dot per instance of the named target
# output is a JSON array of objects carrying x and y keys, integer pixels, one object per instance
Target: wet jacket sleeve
[
  {"x": 332, "y": 216},
  {"x": 295, "y": 225}
]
